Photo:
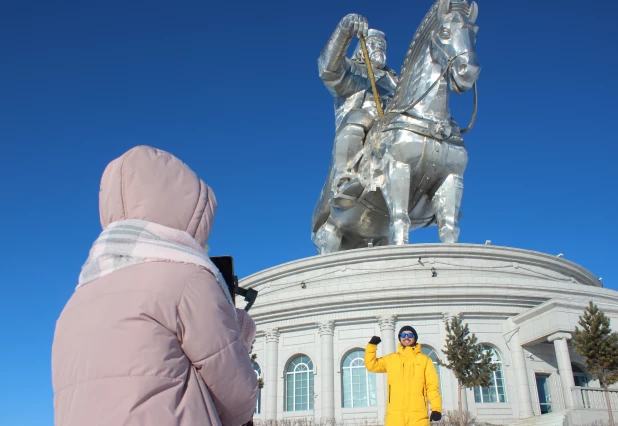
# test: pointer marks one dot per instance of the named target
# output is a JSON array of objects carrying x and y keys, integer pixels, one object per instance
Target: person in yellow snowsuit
[{"x": 412, "y": 381}]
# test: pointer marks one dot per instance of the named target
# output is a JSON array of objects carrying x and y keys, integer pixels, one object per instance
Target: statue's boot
[{"x": 347, "y": 194}]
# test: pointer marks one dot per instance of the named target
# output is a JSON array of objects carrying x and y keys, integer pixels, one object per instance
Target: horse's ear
[
  {"x": 443, "y": 8},
  {"x": 473, "y": 13}
]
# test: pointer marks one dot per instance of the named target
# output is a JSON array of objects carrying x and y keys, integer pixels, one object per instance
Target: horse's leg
[
  {"x": 397, "y": 197},
  {"x": 327, "y": 239},
  {"x": 446, "y": 203}
]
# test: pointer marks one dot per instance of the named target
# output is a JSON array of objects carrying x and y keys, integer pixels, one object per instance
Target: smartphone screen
[{"x": 225, "y": 265}]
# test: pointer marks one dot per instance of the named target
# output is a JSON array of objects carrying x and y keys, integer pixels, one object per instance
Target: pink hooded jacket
[{"x": 155, "y": 343}]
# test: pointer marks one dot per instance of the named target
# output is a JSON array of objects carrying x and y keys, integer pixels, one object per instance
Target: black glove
[
  {"x": 436, "y": 416},
  {"x": 375, "y": 340}
]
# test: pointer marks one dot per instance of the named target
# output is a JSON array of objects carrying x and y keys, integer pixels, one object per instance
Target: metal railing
[{"x": 594, "y": 398}]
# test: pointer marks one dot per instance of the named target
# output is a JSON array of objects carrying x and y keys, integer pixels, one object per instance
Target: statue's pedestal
[
  {"x": 388, "y": 279},
  {"x": 325, "y": 307}
]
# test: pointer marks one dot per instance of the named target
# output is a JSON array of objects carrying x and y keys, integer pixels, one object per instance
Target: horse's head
[{"x": 453, "y": 43}]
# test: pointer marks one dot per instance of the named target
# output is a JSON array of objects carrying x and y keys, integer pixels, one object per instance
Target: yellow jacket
[{"x": 412, "y": 381}]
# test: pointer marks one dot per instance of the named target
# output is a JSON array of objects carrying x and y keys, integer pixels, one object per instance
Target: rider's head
[{"x": 376, "y": 48}]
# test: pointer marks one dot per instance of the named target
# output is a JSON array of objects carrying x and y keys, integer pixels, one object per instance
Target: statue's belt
[{"x": 436, "y": 130}]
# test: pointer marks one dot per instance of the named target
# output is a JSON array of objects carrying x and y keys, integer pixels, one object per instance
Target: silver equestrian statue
[{"x": 394, "y": 173}]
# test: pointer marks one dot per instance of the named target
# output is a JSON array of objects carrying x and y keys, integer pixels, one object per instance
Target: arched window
[
  {"x": 495, "y": 392},
  {"x": 258, "y": 373},
  {"x": 581, "y": 380},
  {"x": 579, "y": 376},
  {"x": 299, "y": 384},
  {"x": 431, "y": 353},
  {"x": 358, "y": 385}
]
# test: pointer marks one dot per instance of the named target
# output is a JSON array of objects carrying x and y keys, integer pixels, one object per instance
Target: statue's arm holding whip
[{"x": 332, "y": 65}]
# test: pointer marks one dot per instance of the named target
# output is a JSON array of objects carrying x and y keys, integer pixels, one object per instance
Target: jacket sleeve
[
  {"x": 432, "y": 384},
  {"x": 373, "y": 364},
  {"x": 210, "y": 337}
]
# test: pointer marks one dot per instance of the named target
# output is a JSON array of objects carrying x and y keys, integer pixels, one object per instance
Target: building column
[
  {"x": 565, "y": 371},
  {"x": 270, "y": 374},
  {"x": 326, "y": 330},
  {"x": 387, "y": 325},
  {"x": 387, "y": 333},
  {"x": 521, "y": 377}
]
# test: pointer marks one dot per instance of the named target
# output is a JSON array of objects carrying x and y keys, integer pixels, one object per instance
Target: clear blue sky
[{"x": 232, "y": 89}]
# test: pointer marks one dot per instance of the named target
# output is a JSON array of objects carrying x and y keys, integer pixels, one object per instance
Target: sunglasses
[{"x": 408, "y": 335}]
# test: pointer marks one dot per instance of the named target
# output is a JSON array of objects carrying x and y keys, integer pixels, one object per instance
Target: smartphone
[{"x": 225, "y": 265}]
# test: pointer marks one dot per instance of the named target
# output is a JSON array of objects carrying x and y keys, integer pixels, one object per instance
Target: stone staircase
[{"x": 553, "y": 419}]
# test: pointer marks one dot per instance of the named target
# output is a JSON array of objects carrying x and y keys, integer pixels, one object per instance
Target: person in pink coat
[{"x": 150, "y": 335}]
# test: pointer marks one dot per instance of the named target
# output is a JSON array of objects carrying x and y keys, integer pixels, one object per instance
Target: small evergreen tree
[
  {"x": 599, "y": 346},
  {"x": 471, "y": 365},
  {"x": 254, "y": 359}
]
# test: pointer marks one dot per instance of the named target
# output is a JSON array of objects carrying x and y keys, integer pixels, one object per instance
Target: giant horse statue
[{"x": 409, "y": 173}]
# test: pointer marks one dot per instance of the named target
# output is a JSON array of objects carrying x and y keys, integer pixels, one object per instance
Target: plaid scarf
[{"x": 131, "y": 242}]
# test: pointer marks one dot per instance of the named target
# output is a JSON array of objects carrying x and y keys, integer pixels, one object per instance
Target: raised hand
[{"x": 354, "y": 24}]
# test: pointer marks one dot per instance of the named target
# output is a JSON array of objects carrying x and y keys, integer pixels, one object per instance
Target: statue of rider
[{"x": 348, "y": 81}]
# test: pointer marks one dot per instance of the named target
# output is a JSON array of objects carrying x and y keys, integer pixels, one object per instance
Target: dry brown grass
[{"x": 449, "y": 418}]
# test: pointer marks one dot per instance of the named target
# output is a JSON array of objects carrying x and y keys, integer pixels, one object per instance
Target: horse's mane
[{"x": 419, "y": 43}]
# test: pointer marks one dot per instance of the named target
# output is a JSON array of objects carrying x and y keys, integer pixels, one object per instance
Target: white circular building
[{"x": 316, "y": 315}]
